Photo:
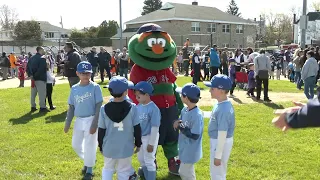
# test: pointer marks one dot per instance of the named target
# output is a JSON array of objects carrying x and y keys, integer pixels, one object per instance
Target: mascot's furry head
[{"x": 152, "y": 48}]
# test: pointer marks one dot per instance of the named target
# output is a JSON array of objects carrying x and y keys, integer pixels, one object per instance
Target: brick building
[{"x": 201, "y": 24}]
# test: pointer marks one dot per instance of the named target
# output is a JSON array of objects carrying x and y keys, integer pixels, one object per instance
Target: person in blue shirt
[
  {"x": 149, "y": 116},
  {"x": 119, "y": 131},
  {"x": 221, "y": 126},
  {"x": 190, "y": 126},
  {"x": 214, "y": 61},
  {"x": 84, "y": 101}
]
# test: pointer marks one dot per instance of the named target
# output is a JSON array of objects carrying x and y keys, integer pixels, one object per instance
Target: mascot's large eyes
[
  {"x": 161, "y": 41},
  {"x": 152, "y": 41}
]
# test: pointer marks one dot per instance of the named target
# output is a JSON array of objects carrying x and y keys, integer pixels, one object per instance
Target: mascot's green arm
[{"x": 178, "y": 98}]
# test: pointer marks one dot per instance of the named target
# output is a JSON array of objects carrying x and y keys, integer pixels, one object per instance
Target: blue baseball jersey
[
  {"x": 190, "y": 150},
  {"x": 118, "y": 142},
  {"x": 222, "y": 119},
  {"x": 126, "y": 98},
  {"x": 149, "y": 116},
  {"x": 85, "y": 98}
]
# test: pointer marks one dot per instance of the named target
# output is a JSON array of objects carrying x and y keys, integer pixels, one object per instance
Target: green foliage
[
  {"x": 233, "y": 8},
  {"x": 150, "y": 6},
  {"x": 95, "y": 36},
  {"x": 28, "y": 31}
]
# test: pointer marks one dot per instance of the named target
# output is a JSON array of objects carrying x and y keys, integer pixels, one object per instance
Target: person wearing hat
[
  {"x": 149, "y": 116},
  {"x": 251, "y": 80},
  {"x": 221, "y": 126},
  {"x": 196, "y": 66},
  {"x": 191, "y": 126},
  {"x": 119, "y": 131},
  {"x": 232, "y": 74},
  {"x": 84, "y": 101},
  {"x": 5, "y": 65},
  {"x": 73, "y": 58}
]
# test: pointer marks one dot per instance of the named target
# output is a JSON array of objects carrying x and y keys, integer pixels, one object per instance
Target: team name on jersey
[
  {"x": 143, "y": 117},
  {"x": 80, "y": 99},
  {"x": 153, "y": 79}
]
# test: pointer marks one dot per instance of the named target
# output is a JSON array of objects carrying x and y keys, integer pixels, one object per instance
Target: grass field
[
  {"x": 274, "y": 85},
  {"x": 34, "y": 146}
]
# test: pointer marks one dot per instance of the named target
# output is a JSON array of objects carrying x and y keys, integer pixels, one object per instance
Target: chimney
[
  {"x": 195, "y": 3},
  {"x": 294, "y": 18}
]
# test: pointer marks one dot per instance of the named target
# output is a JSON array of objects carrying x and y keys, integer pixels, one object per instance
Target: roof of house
[
  {"x": 176, "y": 11},
  {"x": 312, "y": 16},
  {"x": 47, "y": 27}
]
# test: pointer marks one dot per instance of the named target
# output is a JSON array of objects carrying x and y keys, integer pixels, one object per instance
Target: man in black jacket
[
  {"x": 104, "y": 59},
  {"x": 93, "y": 60},
  {"x": 5, "y": 65},
  {"x": 70, "y": 65},
  {"x": 38, "y": 74},
  {"x": 300, "y": 116}
]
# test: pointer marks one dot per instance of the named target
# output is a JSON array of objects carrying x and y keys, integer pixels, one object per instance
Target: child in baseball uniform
[
  {"x": 149, "y": 116},
  {"x": 85, "y": 101},
  {"x": 221, "y": 126},
  {"x": 190, "y": 126},
  {"x": 119, "y": 132}
]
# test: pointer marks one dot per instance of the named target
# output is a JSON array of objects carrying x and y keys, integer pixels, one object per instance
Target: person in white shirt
[{"x": 50, "y": 83}]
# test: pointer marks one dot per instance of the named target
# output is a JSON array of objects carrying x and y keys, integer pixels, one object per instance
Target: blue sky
[{"x": 81, "y": 14}]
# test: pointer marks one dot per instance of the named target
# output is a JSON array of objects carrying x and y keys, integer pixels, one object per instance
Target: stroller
[{"x": 241, "y": 77}]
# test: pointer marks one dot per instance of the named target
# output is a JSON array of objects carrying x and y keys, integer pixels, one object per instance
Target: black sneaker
[
  {"x": 88, "y": 176},
  {"x": 84, "y": 170},
  {"x": 44, "y": 110},
  {"x": 33, "y": 109},
  {"x": 267, "y": 100},
  {"x": 52, "y": 108},
  {"x": 140, "y": 173}
]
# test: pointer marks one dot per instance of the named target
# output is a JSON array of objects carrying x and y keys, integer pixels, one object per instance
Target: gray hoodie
[{"x": 310, "y": 68}]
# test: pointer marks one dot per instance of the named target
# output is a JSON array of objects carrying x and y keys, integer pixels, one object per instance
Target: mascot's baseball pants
[
  {"x": 84, "y": 143},
  {"x": 168, "y": 136},
  {"x": 220, "y": 172}
]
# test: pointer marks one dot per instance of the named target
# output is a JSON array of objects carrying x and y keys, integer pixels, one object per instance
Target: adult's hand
[{"x": 281, "y": 121}]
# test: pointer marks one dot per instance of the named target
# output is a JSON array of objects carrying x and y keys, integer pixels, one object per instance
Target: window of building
[
  {"x": 211, "y": 28},
  {"x": 226, "y": 28},
  {"x": 308, "y": 38},
  {"x": 239, "y": 29},
  {"x": 225, "y": 45},
  {"x": 49, "y": 34},
  {"x": 64, "y": 35},
  {"x": 195, "y": 27}
]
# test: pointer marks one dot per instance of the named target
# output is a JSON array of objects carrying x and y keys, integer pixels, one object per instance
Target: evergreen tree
[
  {"x": 233, "y": 8},
  {"x": 150, "y": 6}
]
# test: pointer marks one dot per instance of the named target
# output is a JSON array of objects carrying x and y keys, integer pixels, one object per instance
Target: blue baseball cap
[
  {"x": 190, "y": 90},
  {"x": 119, "y": 84},
  {"x": 150, "y": 27},
  {"x": 219, "y": 81},
  {"x": 144, "y": 87},
  {"x": 84, "y": 66}
]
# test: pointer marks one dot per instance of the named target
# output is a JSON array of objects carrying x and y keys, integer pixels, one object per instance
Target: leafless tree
[
  {"x": 8, "y": 17},
  {"x": 315, "y": 6}
]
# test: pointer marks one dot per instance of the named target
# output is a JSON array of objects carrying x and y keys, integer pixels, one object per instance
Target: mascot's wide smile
[{"x": 154, "y": 51}]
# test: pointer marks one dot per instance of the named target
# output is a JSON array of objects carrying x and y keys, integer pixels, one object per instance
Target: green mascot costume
[{"x": 153, "y": 52}]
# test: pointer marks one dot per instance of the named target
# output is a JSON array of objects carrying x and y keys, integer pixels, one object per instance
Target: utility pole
[
  {"x": 120, "y": 6},
  {"x": 304, "y": 24},
  {"x": 260, "y": 28}
]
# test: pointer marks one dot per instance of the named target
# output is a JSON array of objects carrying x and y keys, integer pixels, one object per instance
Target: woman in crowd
[
  {"x": 297, "y": 67},
  {"x": 239, "y": 56}
]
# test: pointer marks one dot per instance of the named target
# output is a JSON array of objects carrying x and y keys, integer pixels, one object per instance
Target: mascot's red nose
[{"x": 157, "y": 49}]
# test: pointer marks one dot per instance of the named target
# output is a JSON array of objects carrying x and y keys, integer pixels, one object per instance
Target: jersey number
[{"x": 119, "y": 126}]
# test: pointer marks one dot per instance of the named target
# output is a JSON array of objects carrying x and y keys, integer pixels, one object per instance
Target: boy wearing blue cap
[
  {"x": 149, "y": 116},
  {"x": 191, "y": 129},
  {"x": 84, "y": 101},
  {"x": 119, "y": 131},
  {"x": 221, "y": 126}
]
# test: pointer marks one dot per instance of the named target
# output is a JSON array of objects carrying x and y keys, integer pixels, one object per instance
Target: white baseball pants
[
  {"x": 220, "y": 172},
  {"x": 84, "y": 143},
  {"x": 123, "y": 167},
  {"x": 187, "y": 172},
  {"x": 145, "y": 158}
]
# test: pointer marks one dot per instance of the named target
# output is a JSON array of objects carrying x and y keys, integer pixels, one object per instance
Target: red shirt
[{"x": 138, "y": 74}]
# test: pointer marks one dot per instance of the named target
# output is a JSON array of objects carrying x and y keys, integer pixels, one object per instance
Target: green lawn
[
  {"x": 34, "y": 146},
  {"x": 274, "y": 85}
]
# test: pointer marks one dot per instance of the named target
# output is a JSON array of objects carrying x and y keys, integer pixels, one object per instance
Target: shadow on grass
[
  {"x": 273, "y": 105},
  {"x": 169, "y": 177},
  {"x": 56, "y": 118},
  {"x": 24, "y": 119},
  {"x": 237, "y": 100}
]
